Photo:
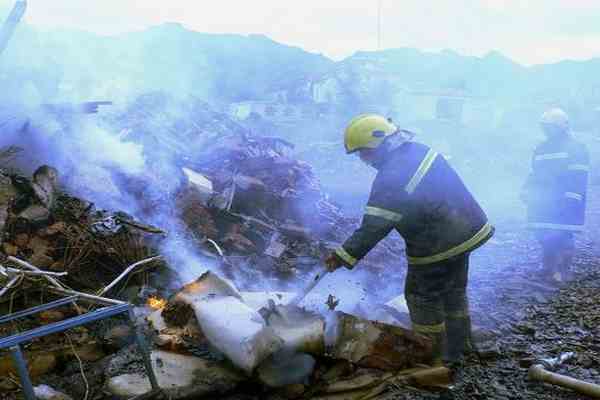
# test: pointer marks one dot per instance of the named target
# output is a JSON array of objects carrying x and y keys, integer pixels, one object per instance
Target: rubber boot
[
  {"x": 551, "y": 271},
  {"x": 439, "y": 348},
  {"x": 458, "y": 331},
  {"x": 438, "y": 341},
  {"x": 564, "y": 265}
]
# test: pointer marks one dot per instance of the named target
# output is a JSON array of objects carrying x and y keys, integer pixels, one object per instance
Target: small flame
[{"x": 156, "y": 303}]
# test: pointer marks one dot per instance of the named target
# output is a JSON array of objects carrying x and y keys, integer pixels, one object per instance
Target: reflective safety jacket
[
  {"x": 556, "y": 190},
  {"x": 420, "y": 195}
]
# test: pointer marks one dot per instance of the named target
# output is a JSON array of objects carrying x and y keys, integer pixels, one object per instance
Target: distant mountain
[
  {"x": 75, "y": 65},
  {"x": 68, "y": 65},
  {"x": 493, "y": 75}
]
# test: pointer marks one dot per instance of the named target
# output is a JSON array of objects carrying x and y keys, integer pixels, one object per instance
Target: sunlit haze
[{"x": 531, "y": 32}]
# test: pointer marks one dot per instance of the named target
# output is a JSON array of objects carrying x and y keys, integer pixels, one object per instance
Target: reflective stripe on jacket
[
  {"x": 420, "y": 195},
  {"x": 557, "y": 186}
]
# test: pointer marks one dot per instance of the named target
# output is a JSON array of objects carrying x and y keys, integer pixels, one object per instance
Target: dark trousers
[
  {"x": 558, "y": 248},
  {"x": 436, "y": 295}
]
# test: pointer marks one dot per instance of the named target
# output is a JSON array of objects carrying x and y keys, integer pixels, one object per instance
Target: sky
[{"x": 530, "y": 32}]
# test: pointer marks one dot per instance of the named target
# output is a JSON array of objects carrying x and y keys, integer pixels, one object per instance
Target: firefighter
[
  {"x": 417, "y": 193},
  {"x": 555, "y": 193}
]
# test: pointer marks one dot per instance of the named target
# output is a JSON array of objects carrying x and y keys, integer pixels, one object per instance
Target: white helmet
[{"x": 556, "y": 117}]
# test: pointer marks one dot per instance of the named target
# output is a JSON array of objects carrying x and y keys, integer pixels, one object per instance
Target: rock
[
  {"x": 89, "y": 352},
  {"x": 201, "y": 185},
  {"x": 169, "y": 342},
  {"x": 45, "y": 392},
  {"x": 57, "y": 227},
  {"x": 237, "y": 331},
  {"x": 286, "y": 368},
  {"x": 7, "y": 384},
  {"x": 195, "y": 214},
  {"x": 38, "y": 245},
  {"x": 375, "y": 345},
  {"x": 41, "y": 260},
  {"x": 45, "y": 183},
  {"x": 301, "y": 331},
  {"x": 50, "y": 316},
  {"x": 438, "y": 377},
  {"x": 44, "y": 187},
  {"x": 57, "y": 266},
  {"x": 35, "y": 213},
  {"x": 180, "y": 376},
  {"x": 249, "y": 193},
  {"x": 21, "y": 240},
  {"x": 38, "y": 364},
  {"x": 9, "y": 249},
  {"x": 293, "y": 391},
  {"x": 239, "y": 242},
  {"x": 359, "y": 380},
  {"x": 7, "y": 194},
  {"x": 119, "y": 336}
]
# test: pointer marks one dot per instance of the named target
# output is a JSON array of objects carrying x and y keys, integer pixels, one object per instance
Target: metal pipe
[
  {"x": 30, "y": 267},
  {"x": 87, "y": 297},
  {"x": 128, "y": 270},
  {"x": 19, "y": 360},
  {"x": 36, "y": 273},
  {"x": 13, "y": 282},
  {"x": 35, "y": 310},
  {"x": 60, "y": 326},
  {"x": 538, "y": 373},
  {"x": 10, "y": 25},
  {"x": 145, "y": 352}
]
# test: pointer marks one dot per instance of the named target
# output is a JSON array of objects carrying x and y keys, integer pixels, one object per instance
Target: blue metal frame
[
  {"x": 13, "y": 342},
  {"x": 35, "y": 310}
]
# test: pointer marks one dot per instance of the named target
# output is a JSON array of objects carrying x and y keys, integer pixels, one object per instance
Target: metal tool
[
  {"x": 313, "y": 283},
  {"x": 541, "y": 372},
  {"x": 273, "y": 309}
]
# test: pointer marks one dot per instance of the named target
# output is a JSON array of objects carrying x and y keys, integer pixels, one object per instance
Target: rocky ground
[
  {"x": 531, "y": 320},
  {"x": 519, "y": 318}
]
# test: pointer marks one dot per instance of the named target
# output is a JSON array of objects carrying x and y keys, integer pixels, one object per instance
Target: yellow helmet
[
  {"x": 367, "y": 131},
  {"x": 556, "y": 117}
]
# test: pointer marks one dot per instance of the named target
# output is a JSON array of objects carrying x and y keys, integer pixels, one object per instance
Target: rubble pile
[
  {"x": 208, "y": 330},
  {"x": 56, "y": 232},
  {"x": 244, "y": 197}
]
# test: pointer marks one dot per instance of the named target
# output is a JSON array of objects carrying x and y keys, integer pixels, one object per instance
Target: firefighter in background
[
  {"x": 556, "y": 192},
  {"x": 417, "y": 193}
]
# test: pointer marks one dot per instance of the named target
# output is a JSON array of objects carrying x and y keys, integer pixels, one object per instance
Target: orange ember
[{"x": 156, "y": 303}]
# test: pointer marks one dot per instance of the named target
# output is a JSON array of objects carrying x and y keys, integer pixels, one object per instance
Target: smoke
[
  {"x": 122, "y": 158},
  {"x": 97, "y": 162}
]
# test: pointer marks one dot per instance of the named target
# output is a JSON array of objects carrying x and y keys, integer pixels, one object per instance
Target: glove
[{"x": 333, "y": 262}]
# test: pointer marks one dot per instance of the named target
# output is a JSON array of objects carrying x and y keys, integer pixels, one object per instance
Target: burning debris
[{"x": 284, "y": 347}]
